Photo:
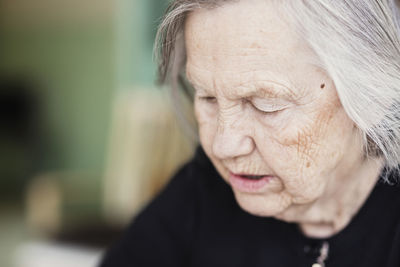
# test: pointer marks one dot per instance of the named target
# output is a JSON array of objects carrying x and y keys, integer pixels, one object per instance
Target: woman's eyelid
[
  {"x": 269, "y": 105},
  {"x": 206, "y": 97}
]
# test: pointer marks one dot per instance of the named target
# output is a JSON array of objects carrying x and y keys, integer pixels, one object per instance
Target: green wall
[
  {"x": 73, "y": 69},
  {"x": 137, "y": 23},
  {"x": 78, "y": 65}
]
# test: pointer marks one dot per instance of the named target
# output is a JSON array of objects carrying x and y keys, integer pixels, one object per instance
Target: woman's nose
[{"x": 232, "y": 138}]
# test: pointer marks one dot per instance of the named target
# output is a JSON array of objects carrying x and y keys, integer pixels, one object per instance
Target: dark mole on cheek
[{"x": 322, "y": 86}]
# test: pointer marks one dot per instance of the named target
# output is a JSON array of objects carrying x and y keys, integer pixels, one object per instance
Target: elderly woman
[{"x": 297, "y": 104}]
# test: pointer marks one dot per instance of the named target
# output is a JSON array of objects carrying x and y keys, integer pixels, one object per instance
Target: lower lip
[{"x": 247, "y": 185}]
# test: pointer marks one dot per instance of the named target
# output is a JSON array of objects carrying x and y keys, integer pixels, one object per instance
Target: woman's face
[{"x": 264, "y": 110}]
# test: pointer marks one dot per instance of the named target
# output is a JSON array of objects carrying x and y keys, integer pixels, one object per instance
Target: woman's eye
[
  {"x": 209, "y": 99},
  {"x": 268, "y": 112},
  {"x": 267, "y": 109}
]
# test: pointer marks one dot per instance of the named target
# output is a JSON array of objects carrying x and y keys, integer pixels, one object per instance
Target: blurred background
[{"x": 86, "y": 136}]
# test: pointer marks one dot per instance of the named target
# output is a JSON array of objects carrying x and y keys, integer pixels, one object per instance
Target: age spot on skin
[{"x": 308, "y": 164}]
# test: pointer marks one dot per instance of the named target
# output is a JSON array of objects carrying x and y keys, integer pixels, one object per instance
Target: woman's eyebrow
[
  {"x": 200, "y": 90},
  {"x": 271, "y": 92},
  {"x": 197, "y": 87},
  {"x": 263, "y": 90}
]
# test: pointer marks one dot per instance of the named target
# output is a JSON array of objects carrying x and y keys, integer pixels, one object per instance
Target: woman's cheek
[
  {"x": 207, "y": 126},
  {"x": 297, "y": 164}
]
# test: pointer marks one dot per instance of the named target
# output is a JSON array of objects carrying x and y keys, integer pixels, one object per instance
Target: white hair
[{"x": 358, "y": 44}]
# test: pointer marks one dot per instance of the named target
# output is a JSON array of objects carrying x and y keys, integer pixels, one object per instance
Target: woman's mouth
[
  {"x": 249, "y": 183},
  {"x": 252, "y": 177}
]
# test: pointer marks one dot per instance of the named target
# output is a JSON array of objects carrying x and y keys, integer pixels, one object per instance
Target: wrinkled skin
[{"x": 263, "y": 108}]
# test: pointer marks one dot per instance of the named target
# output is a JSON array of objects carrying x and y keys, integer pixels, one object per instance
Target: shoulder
[
  {"x": 388, "y": 192},
  {"x": 385, "y": 199},
  {"x": 190, "y": 185},
  {"x": 166, "y": 227},
  {"x": 385, "y": 208},
  {"x": 389, "y": 218},
  {"x": 179, "y": 200}
]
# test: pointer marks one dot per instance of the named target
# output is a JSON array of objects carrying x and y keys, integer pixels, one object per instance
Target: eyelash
[
  {"x": 269, "y": 113},
  {"x": 209, "y": 99},
  {"x": 212, "y": 100}
]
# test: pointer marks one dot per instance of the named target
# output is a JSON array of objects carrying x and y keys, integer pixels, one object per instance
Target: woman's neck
[{"x": 333, "y": 212}]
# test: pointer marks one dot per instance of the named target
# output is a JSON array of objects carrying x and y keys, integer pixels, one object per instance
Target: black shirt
[{"x": 196, "y": 221}]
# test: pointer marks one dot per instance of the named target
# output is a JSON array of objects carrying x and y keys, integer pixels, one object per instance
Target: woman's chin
[{"x": 262, "y": 205}]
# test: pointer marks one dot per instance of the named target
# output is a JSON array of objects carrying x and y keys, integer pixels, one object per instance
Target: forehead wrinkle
[
  {"x": 261, "y": 86},
  {"x": 249, "y": 71},
  {"x": 244, "y": 88},
  {"x": 244, "y": 76},
  {"x": 193, "y": 79}
]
